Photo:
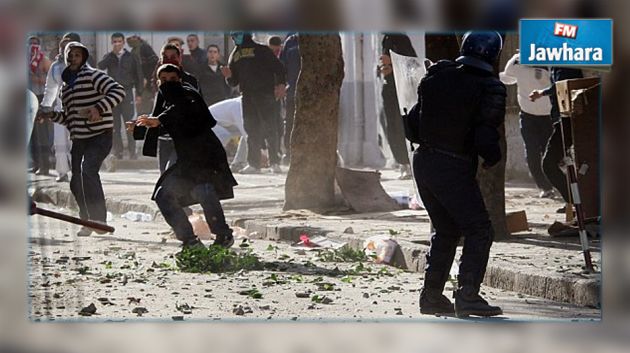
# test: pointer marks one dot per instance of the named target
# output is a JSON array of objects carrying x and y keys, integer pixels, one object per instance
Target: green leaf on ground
[{"x": 215, "y": 259}]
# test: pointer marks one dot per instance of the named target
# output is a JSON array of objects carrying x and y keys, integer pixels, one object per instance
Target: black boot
[
  {"x": 469, "y": 302},
  {"x": 432, "y": 301}
]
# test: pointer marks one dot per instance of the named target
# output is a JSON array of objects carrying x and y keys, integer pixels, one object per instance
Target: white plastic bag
[{"x": 382, "y": 247}]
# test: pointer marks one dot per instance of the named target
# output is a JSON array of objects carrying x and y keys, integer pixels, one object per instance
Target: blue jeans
[
  {"x": 452, "y": 197},
  {"x": 168, "y": 200},
  {"x": 87, "y": 155}
]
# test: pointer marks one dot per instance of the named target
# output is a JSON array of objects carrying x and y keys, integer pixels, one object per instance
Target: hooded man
[
  {"x": 88, "y": 97},
  {"x": 201, "y": 173}
]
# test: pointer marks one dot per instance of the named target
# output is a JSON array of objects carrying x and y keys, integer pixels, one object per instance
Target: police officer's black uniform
[
  {"x": 461, "y": 104},
  {"x": 256, "y": 70}
]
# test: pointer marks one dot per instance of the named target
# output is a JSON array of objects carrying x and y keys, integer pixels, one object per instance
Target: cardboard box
[
  {"x": 565, "y": 92},
  {"x": 516, "y": 221}
]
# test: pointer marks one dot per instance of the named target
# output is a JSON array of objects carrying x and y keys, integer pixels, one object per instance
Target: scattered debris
[
  {"x": 139, "y": 310},
  {"x": 88, "y": 310},
  {"x": 184, "y": 308},
  {"x": 238, "y": 311}
]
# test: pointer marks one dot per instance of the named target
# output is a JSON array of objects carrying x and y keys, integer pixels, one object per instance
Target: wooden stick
[{"x": 75, "y": 220}]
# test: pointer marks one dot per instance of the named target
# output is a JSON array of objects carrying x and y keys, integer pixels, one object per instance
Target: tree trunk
[
  {"x": 310, "y": 182},
  {"x": 492, "y": 181}
]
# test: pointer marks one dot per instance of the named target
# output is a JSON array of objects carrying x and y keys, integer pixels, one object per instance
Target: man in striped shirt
[{"x": 88, "y": 97}]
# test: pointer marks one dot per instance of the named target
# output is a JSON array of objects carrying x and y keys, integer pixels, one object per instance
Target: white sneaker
[
  {"x": 84, "y": 232},
  {"x": 276, "y": 169},
  {"x": 250, "y": 170}
]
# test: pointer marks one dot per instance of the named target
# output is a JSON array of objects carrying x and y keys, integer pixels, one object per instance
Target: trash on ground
[
  {"x": 137, "y": 216},
  {"x": 200, "y": 226},
  {"x": 318, "y": 242},
  {"x": 380, "y": 247}
]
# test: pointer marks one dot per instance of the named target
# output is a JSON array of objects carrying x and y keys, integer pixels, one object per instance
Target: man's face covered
[
  {"x": 238, "y": 38},
  {"x": 171, "y": 87}
]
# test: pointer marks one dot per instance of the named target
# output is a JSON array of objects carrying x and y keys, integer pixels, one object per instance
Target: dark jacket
[
  {"x": 290, "y": 58},
  {"x": 127, "y": 70},
  {"x": 147, "y": 56},
  {"x": 200, "y": 155},
  {"x": 255, "y": 69},
  {"x": 151, "y": 135},
  {"x": 194, "y": 61},
  {"x": 459, "y": 110},
  {"x": 213, "y": 84}
]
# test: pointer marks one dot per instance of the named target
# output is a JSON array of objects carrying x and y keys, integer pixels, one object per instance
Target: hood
[{"x": 71, "y": 45}]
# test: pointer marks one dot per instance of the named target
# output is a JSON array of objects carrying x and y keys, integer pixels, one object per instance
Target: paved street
[{"x": 69, "y": 273}]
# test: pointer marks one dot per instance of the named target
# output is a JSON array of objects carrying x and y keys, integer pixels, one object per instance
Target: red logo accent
[{"x": 565, "y": 30}]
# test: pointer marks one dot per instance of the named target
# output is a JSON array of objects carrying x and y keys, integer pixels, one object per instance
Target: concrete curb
[{"x": 410, "y": 256}]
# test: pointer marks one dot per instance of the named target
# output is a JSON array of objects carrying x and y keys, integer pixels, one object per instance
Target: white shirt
[
  {"x": 229, "y": 116},
  {"x": 527, "y": 79},
  {"x": 52, "y": 90}
]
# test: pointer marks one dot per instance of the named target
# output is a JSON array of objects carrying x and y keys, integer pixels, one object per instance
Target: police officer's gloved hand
[
  {"x": 487, "y": 145},
  {"x": 491, "y": 155}
]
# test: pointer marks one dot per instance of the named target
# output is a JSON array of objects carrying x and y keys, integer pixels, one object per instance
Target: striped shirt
[{"x": 92, "y": 88}]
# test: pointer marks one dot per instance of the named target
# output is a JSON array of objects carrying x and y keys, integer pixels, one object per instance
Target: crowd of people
[{"x": 187, "y": 107}]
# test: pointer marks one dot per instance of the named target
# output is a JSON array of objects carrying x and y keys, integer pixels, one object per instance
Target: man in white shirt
[
  {"x": 536, "y": 124},
  {"x": 229, "y": 116}
]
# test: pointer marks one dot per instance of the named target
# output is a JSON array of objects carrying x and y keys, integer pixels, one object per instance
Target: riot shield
[{"x": 408, "y": 71}]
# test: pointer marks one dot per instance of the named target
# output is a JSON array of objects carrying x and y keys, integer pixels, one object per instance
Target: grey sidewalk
[{"x": 530, "y": 263}]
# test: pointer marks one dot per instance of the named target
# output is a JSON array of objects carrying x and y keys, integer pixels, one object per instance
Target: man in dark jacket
[
  {"x": 211, "y": 79},
  {"x": 196, "y": 60},
  {"x": 125, "y": 68},
  {"x": 148, "y": 61},
  {"x": 157, "y": 142},
  {"x": 390, "y": 116},
  {"x": 460, "y": 106},
  {"x": 201, "y": 174},
  {"x": 262, "y": 79}
]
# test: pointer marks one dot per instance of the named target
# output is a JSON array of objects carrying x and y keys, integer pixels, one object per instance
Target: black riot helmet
[{"x": 480, "y": 49}]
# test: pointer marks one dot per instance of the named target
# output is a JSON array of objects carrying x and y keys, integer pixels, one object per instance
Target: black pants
[
  {"x": 452, "y": 197},
  {"x": 555, "y": 154},
  {"x": 536, "y": 131},
  {"x": 288, "y": 123},
  {"x": 85, "y": 184},
  {"x": 123, "y": 112},
  {"x": 393, "y": 125},
  {"x": 259, "y": 121},
  {"x": 168, "y": 200},
  {"x": 40, "y": 144},
  {"x": 166, "y": 154}
]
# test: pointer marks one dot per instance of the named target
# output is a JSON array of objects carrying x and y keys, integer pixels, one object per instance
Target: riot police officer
[
  {"x": 461, "y": 104},
  {"x": 261, "y": 78}
]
